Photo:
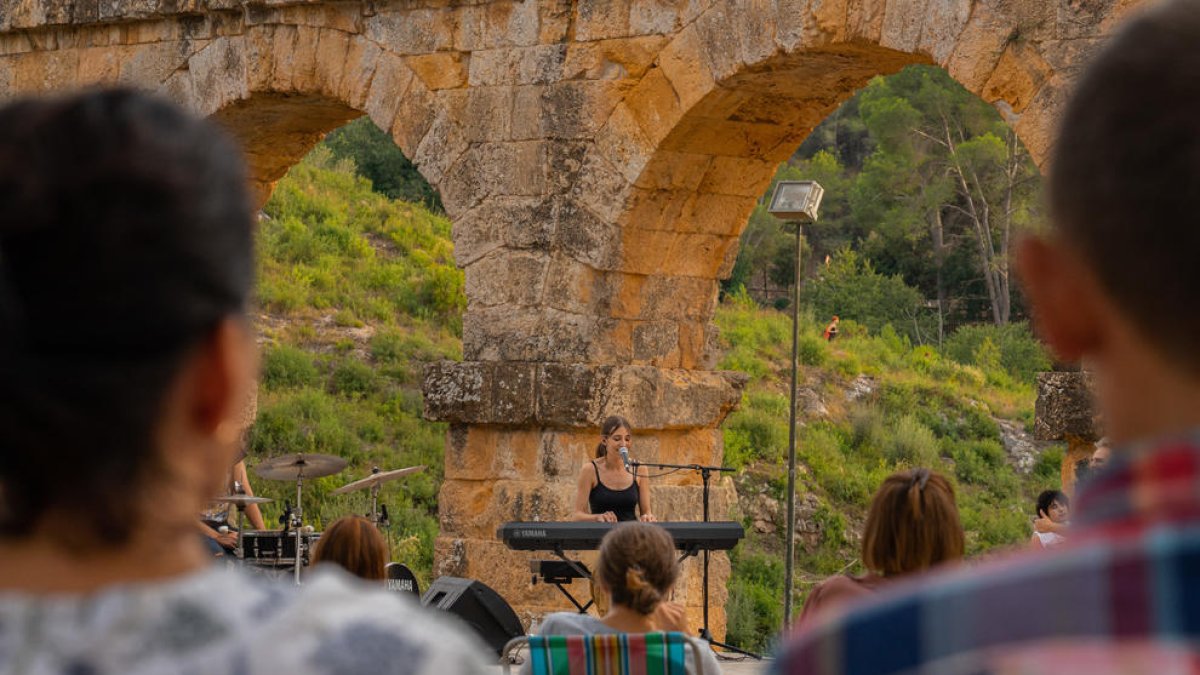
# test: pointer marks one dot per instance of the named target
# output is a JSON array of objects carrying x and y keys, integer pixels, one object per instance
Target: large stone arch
[{"x": 597, "y": 159}]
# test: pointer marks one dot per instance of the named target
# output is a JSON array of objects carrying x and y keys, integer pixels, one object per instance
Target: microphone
[{"x": 625, "y": 457}]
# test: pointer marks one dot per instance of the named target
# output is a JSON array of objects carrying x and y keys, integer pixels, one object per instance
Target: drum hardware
[
  {"x": 379, "y": 513},
  {"x": 241, "y": 500},
  {"x": 376, "y": 479},
  {"x": 298, "y": 467}
]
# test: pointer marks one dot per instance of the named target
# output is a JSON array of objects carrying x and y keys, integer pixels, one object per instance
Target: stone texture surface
[
  {"x": 598, "y": 160},
  {"x": 1064, "y": 407}
]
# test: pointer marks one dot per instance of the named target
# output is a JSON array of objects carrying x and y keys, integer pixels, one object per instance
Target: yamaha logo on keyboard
[{"x": 531, "y": 533}]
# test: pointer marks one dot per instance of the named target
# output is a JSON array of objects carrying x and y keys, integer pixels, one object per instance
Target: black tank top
[{"x": 623, "y": 503}]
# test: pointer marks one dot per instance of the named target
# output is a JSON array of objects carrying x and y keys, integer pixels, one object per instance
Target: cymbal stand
[
  {"x": 297, "y": 522},
  {"x": 706, "y": 473},
  {"x": 241, "y": 547}
]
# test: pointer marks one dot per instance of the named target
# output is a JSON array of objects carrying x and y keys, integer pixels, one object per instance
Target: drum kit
[{"x": 293, "y": 545}]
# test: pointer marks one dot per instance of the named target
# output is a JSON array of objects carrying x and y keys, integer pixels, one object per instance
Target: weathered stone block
[
  {"x": 441, "y": 70},
  {"x": 619, "y": 59},
  {"x": 477, "y": 508},
  {"x": 586, "y": 237},
  {"x": 415, "y": 31},
  {"x": 656, "y": 343},
  {"x": 362, "y": 58},
  {"x": 571, "y": 395},
  {"x": 624, "y": 144},
  {"x": 1018, "y": 77},
  {"x": 497, "y": 24},
  {"x": 601, "y": 188},
  {"x": 1064, "y": 407},
  {"x": 457, "y": 392},
  {"x": 600, "y": 20},
  {"x": 655, "y": 398}
]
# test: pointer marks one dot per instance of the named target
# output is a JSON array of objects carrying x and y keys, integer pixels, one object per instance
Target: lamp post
[{"x": 795, "y": 200}]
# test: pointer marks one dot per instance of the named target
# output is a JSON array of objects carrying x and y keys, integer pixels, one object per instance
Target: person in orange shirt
[{"x": 831, "y": 330}]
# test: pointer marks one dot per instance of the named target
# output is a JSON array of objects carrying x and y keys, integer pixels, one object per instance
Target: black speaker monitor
[{"x": 477, "y": 604}]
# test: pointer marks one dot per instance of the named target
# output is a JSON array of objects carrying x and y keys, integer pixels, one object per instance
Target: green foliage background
[{"x": 356, "y": 292}]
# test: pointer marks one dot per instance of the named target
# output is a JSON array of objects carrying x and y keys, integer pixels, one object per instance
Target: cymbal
[
  {"x": 300, "y": 465},
  {"x": 243, "y": 500},
  {"x": 377, "y": 478}
]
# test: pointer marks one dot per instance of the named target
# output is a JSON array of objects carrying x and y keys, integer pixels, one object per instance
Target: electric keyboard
[{"x": 584, "y": 536}]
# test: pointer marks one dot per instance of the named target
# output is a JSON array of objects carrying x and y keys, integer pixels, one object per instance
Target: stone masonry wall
[{"x": 598, "y": 160}]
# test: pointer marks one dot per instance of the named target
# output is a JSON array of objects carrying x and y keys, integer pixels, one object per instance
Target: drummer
[{"x": 221, "y": 514}]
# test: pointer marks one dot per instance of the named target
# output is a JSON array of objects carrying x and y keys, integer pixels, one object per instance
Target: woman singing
[{"x": 606, "y": 492}]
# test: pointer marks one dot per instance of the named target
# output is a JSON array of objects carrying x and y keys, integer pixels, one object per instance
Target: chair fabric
[{"x": 609, "y": 654}]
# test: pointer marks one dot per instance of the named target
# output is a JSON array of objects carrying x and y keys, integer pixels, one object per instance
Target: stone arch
[
  {"x": 682, "y": 159},
  {"x": 280, "y": 88}
]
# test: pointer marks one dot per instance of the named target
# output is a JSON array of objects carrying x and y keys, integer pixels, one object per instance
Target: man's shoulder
[{"x": 1090, "y": 591}]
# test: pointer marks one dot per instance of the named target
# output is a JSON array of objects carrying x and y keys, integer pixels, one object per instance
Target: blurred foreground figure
[
  {"x": 126, "y": 262},
  {"x": 1123, "y": 594}
]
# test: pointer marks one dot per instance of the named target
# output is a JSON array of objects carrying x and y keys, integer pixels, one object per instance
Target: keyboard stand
[{"x": 558, "y": 580}]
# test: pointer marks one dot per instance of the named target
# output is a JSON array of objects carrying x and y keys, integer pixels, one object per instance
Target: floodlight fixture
[{"x": 796, "y": 200}]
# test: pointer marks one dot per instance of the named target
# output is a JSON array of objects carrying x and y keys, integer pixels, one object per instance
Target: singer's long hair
[{"x": 611, "y": 424}]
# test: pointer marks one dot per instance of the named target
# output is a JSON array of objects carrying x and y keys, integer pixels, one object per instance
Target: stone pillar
[
  {"x": 1065, "y": 412},
  {"x": 520, "y": 431}
]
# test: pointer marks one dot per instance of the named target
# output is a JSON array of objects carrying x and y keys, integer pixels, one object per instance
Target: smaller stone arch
[{"x": 280, "y": 88}]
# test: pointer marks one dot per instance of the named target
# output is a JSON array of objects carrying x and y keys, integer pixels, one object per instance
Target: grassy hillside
[
  {"x": 355, "y": 292},
  {"x": 870, "y": 405},
  {"x": 358, "y": 291}
]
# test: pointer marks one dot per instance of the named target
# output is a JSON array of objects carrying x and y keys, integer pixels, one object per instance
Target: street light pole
[
  {"x": 798, "y": 201},
  {"x": 789, "y": 571}
]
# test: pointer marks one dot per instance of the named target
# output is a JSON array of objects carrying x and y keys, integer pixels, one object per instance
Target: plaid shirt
[{"x": 1122, "y": 596}]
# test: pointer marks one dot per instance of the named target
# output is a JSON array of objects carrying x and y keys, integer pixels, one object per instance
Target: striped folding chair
[{"x": 607, "y": 654}]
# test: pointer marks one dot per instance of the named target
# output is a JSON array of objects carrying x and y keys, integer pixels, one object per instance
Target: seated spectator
[
  {"x": 355, "y": 544},
  {"x": 126, "y": 359},
  {"x": 912, "y": 526},
  {"x": 1124, "y": 193},
  {"x": 1054, "y": 516},
  {"x": 637, "y": 569}
]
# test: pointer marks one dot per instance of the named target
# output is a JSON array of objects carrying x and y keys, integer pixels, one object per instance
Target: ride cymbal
[
  {"x": 300, "y": 465},
  {"x": 377, "y": 479}
]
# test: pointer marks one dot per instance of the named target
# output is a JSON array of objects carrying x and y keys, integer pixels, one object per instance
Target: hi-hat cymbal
[
  {"x": 376, "y": 479},
  {"x": 243, "y": 500},
  {"x": 293, "y": 467}
]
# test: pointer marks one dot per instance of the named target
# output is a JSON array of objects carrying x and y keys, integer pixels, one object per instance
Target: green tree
[
  {"x": 947, "y": 173},
  {"x": 849, "y": 287},
  {"x": 381, "y": 162}
]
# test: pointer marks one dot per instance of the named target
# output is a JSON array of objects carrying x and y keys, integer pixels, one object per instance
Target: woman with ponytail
[
  {"x": 637, "y": 568},
  {"x": 912, "y": 526},
  {"x": 607, "y": 491}
]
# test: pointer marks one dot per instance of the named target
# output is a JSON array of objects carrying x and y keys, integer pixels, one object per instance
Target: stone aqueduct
[{"x": 598, "y": 159}]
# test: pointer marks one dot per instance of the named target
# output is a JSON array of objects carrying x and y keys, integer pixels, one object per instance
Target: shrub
[
  {"x": 1048, "y": 467},
  {"x": 911, "y": 443},
  {"x": 352, "y": 377},
  {"x": 754, "y": 611},
  {"x": 287, "y": 366},
  {"x": 849, "y": 287},
  {"x": 1013, "y": 349},
  {"x": 812, "y": 350}
]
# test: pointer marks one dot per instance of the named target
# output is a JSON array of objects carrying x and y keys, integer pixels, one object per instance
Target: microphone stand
[{"x": 706, "y": 473}]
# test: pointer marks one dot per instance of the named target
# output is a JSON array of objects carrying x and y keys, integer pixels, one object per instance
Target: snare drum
[{"x": 273, "y": 548}]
